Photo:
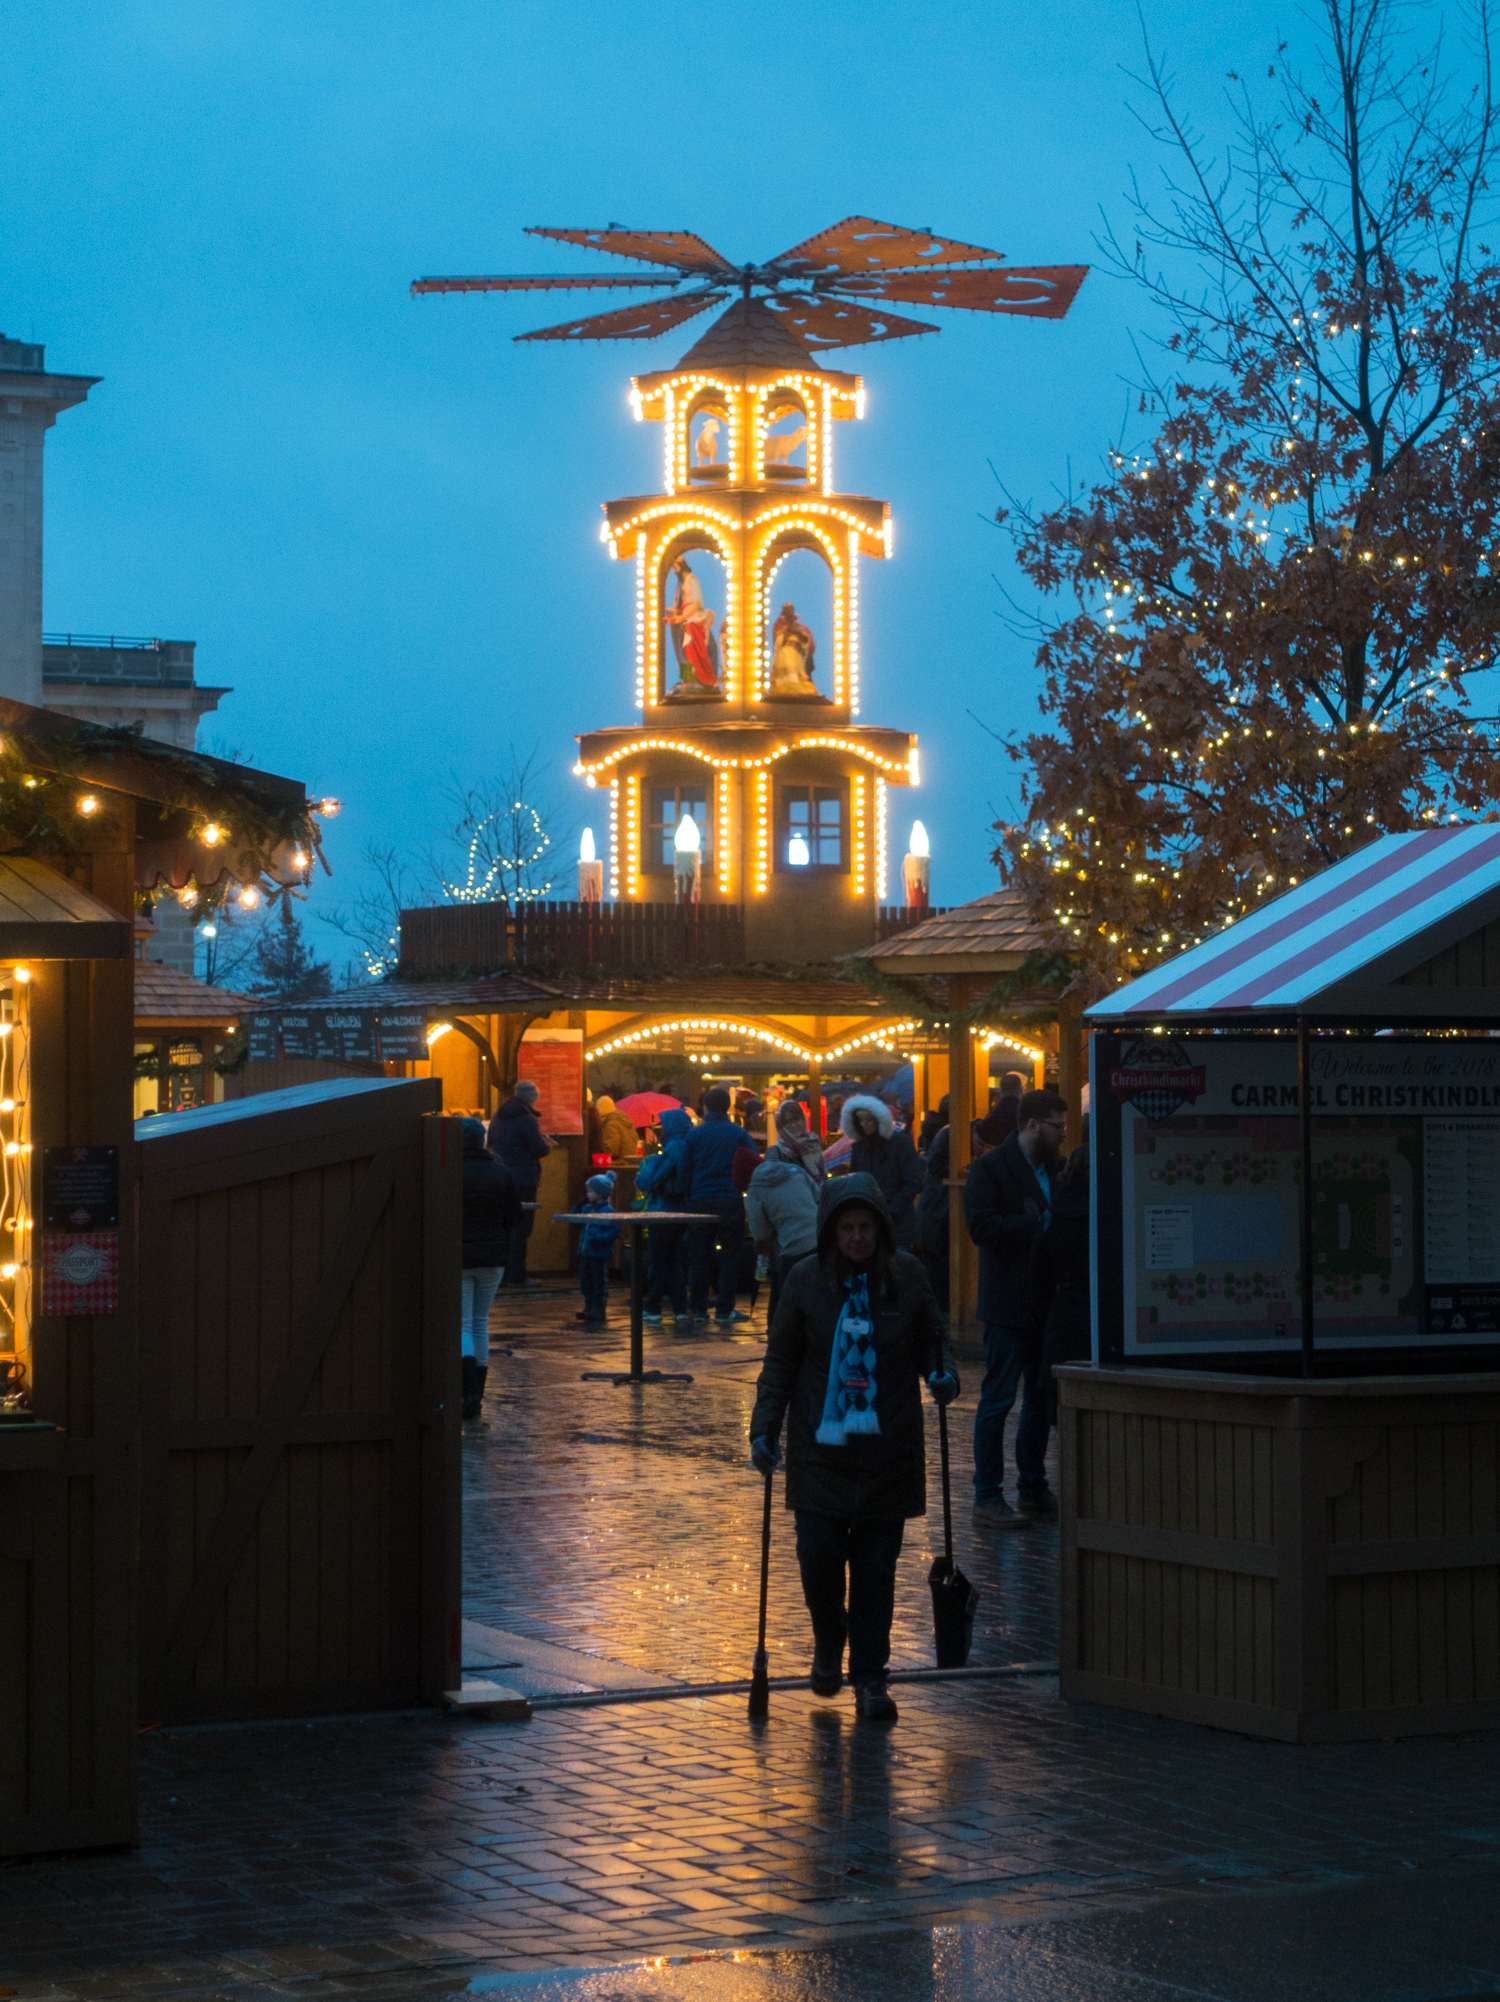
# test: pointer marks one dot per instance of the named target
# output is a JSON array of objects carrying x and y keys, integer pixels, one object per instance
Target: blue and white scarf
[{"x": 849, "y": 1402}]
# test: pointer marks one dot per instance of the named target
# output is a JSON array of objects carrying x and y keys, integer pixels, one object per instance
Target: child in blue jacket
[{"x": 595, "y": 1242}]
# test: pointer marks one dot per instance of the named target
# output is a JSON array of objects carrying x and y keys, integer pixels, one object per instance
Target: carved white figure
[
  {"x": 781, "y": 445},
  {"x": 707, "y": 448}
]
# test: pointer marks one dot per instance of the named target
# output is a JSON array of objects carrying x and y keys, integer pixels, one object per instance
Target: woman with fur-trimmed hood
[
  {"x": 856, "y": 1334},
  {"x": 889, "y": 1156}
]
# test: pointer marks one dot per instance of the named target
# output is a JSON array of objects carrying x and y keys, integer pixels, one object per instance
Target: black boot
[
  {"x": 873, "y": 1700},
  {"x": 472, "y": 1387},
  {"x": 484, "y": 1377},
  {"x": 827, "y": 1672}
]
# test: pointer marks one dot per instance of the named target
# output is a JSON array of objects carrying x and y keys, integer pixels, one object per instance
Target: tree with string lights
[{"x": 1277, "y": 603}]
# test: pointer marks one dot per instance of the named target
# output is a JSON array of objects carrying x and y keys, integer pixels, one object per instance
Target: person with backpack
[
  {"x": 657, "y": 1180},
  {"x": 781, "y": 1203},
  {"x": 595, "y": 1242},
  {"x": 708, "y": 1185}
]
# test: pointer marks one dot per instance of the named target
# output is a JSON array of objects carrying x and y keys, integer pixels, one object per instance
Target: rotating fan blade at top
[
  {"x": 859, "y": 244},
  {"x": 594, "y": 282},
  {"x": 679, "y": 248},
  {"x": 641, "y": 322},
  {"x": 1039, "y": 291},
  {"x": 825, "y": 321}
]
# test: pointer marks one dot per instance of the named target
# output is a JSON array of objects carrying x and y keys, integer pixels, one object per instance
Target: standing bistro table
[{"x": 635, "y": 1221}]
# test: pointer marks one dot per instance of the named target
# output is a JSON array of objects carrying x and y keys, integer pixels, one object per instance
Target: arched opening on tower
[
  {"x": 798, "y": 626},
  {"x": 694, "y": 597},
  {"x": 787, "y": 438}
]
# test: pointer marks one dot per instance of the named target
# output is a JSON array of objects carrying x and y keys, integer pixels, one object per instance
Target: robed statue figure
[
  {"x": 792, "y": 648},
  {"x": 691, "y": 625}
]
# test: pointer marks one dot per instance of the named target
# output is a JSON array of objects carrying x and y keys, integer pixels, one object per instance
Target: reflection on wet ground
[
  {"x": 626, "y": 1521},
  {"x": 994, "y": 1844}
]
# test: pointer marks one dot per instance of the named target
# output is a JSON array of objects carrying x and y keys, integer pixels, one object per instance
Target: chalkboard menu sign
[
  {"x": 403, "y": 1035},
  {"x": 297, "y": 1033},
  {"x": 80, "y": 1188},
  {"x": 265, "y": 1036},
  {"x": 344, "y": 1035}
]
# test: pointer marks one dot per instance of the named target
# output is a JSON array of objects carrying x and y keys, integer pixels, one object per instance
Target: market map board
[{"x": 1196, "y": 1195}]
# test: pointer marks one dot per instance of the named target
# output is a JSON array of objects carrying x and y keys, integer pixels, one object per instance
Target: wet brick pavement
[{"x": 1055, "y": 1851}]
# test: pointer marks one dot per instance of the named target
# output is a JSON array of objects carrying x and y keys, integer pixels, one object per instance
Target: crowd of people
[{"x": 851, "y": 1229}]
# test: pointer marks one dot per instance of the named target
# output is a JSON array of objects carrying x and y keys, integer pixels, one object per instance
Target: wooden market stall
[
  {"x": 91, "y": 820},
  {"x": 182, "y": 1028},
  {"x": 1281, "y": 1478}
]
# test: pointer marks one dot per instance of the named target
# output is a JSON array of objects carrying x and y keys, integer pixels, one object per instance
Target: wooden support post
[
  {"x": 1072, "y": 1065},
  {"x": 961, "y": 1264},
  {"x": 814, "y": 1096}
]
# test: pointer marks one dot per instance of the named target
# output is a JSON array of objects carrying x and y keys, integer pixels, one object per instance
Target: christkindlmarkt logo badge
[{"x": 1156, "y": 1078}]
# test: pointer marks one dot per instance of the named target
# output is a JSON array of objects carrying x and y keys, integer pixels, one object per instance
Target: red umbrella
[{"x": 643, "y": 1106}]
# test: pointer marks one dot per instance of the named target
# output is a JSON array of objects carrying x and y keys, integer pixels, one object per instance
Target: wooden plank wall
[
  {"x": 299, "y": 1386},
  {"x": 67, "y": 1533},
  {"x": 1414, "y": 1636},
  {"x": 1307, "y": 1560},
  {"x": 1193, "y": 1627}
]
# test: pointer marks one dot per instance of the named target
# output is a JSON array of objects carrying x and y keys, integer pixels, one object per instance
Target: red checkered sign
[{"x": 80, "y": 1272}]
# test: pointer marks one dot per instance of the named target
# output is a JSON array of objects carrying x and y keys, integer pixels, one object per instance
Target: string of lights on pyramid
[{"x": 830, "y": 290}]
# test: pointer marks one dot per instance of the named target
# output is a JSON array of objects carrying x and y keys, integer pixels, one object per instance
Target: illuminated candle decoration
[
  {"x": 590, "y": 871},
  {"x": 916, "y": 870},
  {"x": 687, "y": 859}
]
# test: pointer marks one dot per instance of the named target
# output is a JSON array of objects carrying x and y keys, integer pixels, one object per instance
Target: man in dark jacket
[
  {"x": 492, "y": 1208},
  {"x": 707, "y": 1178},
  {"x": 518, "y": 1143},
  {"x": 1007, "y": 1197},
  {"x": 856, "y": 1332}
]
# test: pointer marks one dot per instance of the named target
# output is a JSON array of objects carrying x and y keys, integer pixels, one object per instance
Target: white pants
[{"x": 480, "y": 1282}]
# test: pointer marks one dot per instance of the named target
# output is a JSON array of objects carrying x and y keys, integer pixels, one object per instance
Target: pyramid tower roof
[{"x": 748, "y": 335}]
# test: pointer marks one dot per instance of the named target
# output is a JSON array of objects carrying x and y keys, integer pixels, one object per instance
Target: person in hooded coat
[
  {"x": 855, "y": 1334},
  {"x": 879, "y": 1150},
  {"x": 517, "y": 1141},
  {"x": 491, "y": 1211},
  {"x": 666, "y": 1263},
  {"x": 616, "y": 1134}
]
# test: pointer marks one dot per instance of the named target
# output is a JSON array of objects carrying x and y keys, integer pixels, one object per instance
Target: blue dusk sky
[{"x": 378, "y": 517}]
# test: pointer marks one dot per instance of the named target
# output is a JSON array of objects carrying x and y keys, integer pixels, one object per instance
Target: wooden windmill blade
[
  {"x": 595, "y": 281},
  {"x": 1040, "y": 291},
  {"x": 860, "y": 244},
  {"x": 824, "y": 320},
  {"x": 679, "y": 248},
  {"x": 641, "y": 322}
]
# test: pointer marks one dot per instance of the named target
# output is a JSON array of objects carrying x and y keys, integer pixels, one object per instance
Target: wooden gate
[{"x": 300, "y": 1528}]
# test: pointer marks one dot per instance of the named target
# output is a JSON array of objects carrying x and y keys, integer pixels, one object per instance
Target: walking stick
[
  {"x": 760, "y": 1683},
  {"x": 947, "y": 1494}
]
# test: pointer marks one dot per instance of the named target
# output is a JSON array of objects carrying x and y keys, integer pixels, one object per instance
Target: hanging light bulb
[
  {"x": 187, "y": 897},
  {"x": 299, "y": 859},
  {"x": 212, "y": 835},
  {"x": 330, "y": 808},
  {"x": 88, "y": 804},
  {"x": 249, "y": 898}
]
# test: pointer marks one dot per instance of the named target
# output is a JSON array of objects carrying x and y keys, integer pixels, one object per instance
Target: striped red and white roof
[{"x": 1336, "y": 940}]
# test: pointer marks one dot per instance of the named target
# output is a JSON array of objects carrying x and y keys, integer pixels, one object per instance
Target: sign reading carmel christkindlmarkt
[{"x": 1198, "y": 1155}]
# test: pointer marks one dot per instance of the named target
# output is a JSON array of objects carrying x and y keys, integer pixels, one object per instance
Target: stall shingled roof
[
  {"x": 994, "y": 934},
  {"x": 1406, "y": 929}
]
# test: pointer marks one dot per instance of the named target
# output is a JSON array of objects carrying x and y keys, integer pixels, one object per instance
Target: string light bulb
[
  {"x": 330, "y": 809},
  {"x": 249, "y": 898},
  {"x": 212, "y": 834},
  {"x": 88, "y": 804}
]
